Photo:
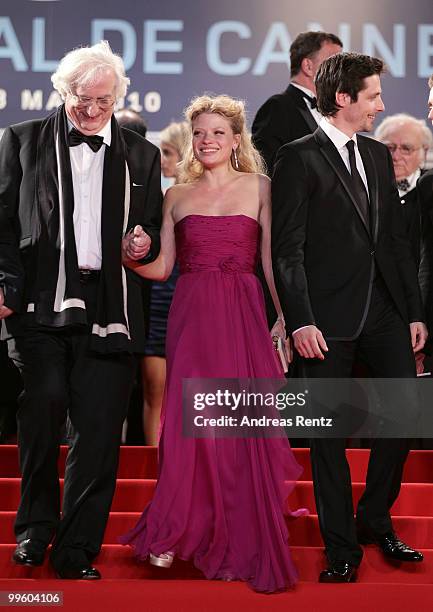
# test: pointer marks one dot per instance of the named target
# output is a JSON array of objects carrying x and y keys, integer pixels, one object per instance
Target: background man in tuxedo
[
  {"x": 408, "y": 140},
  {"x": 292, "y": 114},
  {"x": 71, "y": 185},
  {"x": 348, "y": 286}
]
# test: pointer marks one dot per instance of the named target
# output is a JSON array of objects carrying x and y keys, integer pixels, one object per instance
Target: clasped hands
[{"x": 135, "y": 244}]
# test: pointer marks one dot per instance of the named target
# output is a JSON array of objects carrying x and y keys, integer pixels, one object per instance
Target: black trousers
[
  {"x": 384, "y": 345},
  {"x": 62, "y": 377}
]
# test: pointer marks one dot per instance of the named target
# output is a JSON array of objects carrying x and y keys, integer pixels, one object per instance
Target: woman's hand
[{"x": 279, "y": 330}]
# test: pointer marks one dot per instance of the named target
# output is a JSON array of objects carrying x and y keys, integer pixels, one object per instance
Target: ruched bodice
[{"x": 227, "y": 243}]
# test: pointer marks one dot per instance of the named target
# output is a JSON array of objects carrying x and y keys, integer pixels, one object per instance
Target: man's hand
[
  {"x": 309, "y": 342},
  {"x": 419, "y": 362},
  {"x": 418, "y": 335},
  {"x": 136, "y": 244},
  {"x": 4, "y": 310}
]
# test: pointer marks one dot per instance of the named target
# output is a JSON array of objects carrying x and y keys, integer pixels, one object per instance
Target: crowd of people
[{"x": 340, "y": 225}]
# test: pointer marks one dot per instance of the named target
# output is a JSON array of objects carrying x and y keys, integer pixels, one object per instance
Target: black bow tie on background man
[
  {"x": 75, "y": 138},
  {"x": 403, "y": 185},
  {"x": 312, "y": 101}
]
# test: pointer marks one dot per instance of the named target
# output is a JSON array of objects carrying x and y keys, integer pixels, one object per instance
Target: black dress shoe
[
  {"x": 338, "y": 571},
  {"x": 391, "y": 546},
  {"x": 30, "y": 552},
  {"x": 78, "y": 573}
]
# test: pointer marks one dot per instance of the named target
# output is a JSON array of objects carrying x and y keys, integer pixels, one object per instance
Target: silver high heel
[{"x": 162, "y": 560}]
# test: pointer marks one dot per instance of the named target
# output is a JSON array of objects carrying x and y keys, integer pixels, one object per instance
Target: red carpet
[{"x": 128, "y": 585}]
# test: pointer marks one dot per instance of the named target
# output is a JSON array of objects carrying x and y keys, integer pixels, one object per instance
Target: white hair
[
  {"x": 84, "y": 65},
  {"x": 393, "y": 121}
]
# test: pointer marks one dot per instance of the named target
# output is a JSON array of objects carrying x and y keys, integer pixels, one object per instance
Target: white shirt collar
[
  {"x": 304, "y": 90},
  {"x": 338, "y": 137},
  {"x": 105, "y": 132}
]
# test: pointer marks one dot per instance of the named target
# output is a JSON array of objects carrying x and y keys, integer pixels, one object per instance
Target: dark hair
[
  {"x": 430, "y": 81},
  {"x": 306, "y": 44},
  {"x": 132, "y": 120},
  {"x": 344, "y": 73}
]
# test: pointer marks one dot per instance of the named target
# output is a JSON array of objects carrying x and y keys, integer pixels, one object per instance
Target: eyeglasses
[
  {"x": 104, "y": 103},
  {"x": 405, "y": 149}
]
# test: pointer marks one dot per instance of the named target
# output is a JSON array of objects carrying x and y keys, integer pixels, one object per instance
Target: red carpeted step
[
  {"x": 214, "y": 596},
  {"x": 141, "y": 462},
  {"x": 132, "y": 496},
  {"x": 134, "y": 461},
  {"x": 304, "y": 531},
  {"x": 117, "y": 561}
]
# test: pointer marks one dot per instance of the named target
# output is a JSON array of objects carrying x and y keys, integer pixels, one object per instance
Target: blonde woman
[{"x": 218, "y": 502}]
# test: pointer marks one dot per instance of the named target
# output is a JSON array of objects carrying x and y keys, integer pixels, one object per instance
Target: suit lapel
[
  {"x": 299, "y": 99},
  {"x": 333, "y": 157},
  {"x": 373, "y": 184}
]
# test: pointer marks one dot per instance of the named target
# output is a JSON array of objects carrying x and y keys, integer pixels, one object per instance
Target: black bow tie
[
  {"x": 312, "y": 101},
  {"x": 76, "y": 138},
  {"x": 403, "y": 185}
]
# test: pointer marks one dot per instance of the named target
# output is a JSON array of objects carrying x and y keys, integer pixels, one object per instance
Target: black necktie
[
  {"x": 76, "y": 138},
  {"x": 403, "y": 185},
  {"x": 358, "y": 183}
]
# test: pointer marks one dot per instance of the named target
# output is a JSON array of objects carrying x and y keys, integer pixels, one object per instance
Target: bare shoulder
[
  {"x": 255, "y": 179},
  {"x": 176, "y": 193}
]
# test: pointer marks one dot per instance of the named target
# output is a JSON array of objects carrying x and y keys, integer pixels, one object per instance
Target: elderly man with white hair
[
  {"x": 71, "y": 186},
  {"x": 408, "y": 140}
]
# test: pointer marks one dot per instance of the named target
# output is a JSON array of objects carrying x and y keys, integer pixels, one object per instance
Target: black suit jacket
[
  {"x": 324, "y": 255},
  {"x": 425, "y": 196},
  {"x": 283, "y": 118},
  {"x": 18, "y": 153},
  {"x": 411, "y": 206}
]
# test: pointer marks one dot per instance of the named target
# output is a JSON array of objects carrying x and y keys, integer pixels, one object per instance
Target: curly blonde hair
[{"x": 249, "y": 159}]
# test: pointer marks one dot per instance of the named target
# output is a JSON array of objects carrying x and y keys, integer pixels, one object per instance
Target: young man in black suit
[
  {"x": 71, "y": 186},
  {"x": 348, "y": 286},
  {"x": 292, "y": 114}
]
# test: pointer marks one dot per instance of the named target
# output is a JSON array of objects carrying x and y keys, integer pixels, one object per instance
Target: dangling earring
[{"x": 235, "y": 155}]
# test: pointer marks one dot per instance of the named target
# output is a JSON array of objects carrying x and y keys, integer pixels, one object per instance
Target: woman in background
[{"x": 153, "y": 368}]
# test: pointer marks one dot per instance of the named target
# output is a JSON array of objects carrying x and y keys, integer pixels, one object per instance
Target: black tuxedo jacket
[
  {"x": 324, "y": 254},
  {"x": 282, "y": 119},
  {"x": 18, "y": 152}
]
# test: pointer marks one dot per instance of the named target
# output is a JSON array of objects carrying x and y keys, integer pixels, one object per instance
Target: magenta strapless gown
[{"x": 219, "y": 502}]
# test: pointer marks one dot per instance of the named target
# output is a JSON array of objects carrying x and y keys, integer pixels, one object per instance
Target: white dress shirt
[
  {"x": 309, "y": 94},
  {"x": 339, "y": 140},
  {"x": 87, "y": 177}
]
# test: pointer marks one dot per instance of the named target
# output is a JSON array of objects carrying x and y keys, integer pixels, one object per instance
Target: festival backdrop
[{"x": 175, "y": 49}]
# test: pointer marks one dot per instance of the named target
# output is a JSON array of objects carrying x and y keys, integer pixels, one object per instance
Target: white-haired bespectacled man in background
[
  {"x": 71, "y": 186},
  {"x": 408, "y": 140}
]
